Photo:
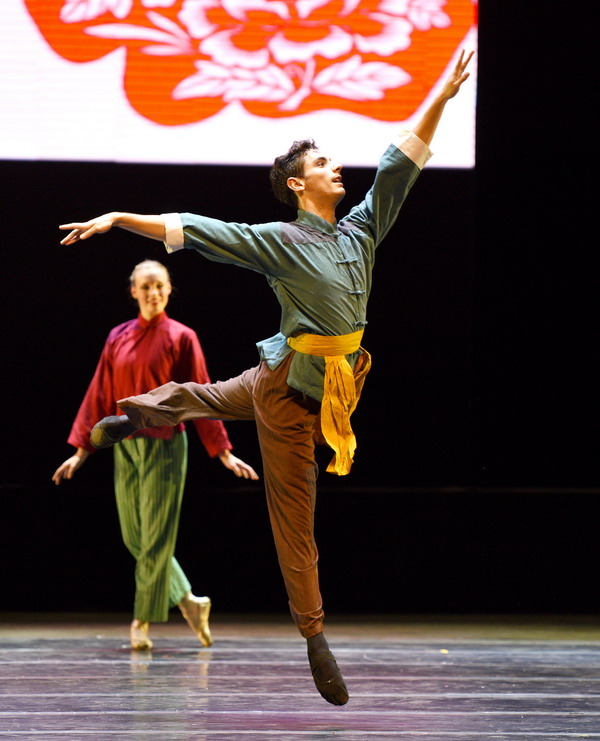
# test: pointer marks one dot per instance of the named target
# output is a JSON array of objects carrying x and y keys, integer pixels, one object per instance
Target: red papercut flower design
[{"x": 187, "y": 59}]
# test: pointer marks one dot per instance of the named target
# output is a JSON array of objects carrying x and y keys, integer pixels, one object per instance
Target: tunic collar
[
  {"x": 145, "y": 323},
  {"x": 310, "y": 219}
]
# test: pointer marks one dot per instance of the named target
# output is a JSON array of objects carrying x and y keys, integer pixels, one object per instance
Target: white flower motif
[
  {"x": 301, "y": 55},
  {"x": 75, "y": 11},
  {"x": 242, "y": 40},
  {"x": 238, "y": 9},
  {"x": 337, "y": 43},
  {"x": 395, "y": 7},
  {"x": 306, "y": 7},
  {"x": 423, "y": 14},
  {"x": 220, "y": 48},
  {"x": 254, "y": 35},
  {"x": 394, "y": 37},
  {"x": 194, "y": 18},
  {"x": 158, "y": 3}
]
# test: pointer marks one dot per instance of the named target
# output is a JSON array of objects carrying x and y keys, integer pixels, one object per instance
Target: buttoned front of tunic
[{"x": 320, "y": 272}]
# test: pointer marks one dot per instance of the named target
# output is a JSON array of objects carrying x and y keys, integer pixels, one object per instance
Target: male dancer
[{"x": 310, "y": 374}]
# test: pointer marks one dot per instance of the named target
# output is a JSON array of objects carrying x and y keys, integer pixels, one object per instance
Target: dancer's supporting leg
[{"x": 285, "y": 422}]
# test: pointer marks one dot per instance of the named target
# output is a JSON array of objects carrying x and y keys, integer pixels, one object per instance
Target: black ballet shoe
[
  {"x": 111, "y": 430},
  {"x": 333, "y": 690}
]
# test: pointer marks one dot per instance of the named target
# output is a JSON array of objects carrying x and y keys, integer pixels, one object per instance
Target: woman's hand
[
  {"x": 68, "y": 468},
  {"x": 240, "y": 469}
]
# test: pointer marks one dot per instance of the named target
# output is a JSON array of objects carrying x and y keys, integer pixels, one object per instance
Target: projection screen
[{"x": 229, "y": 81}]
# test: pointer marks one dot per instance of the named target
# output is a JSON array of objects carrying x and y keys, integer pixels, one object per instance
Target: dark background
[{"x": 475, "y": 482}]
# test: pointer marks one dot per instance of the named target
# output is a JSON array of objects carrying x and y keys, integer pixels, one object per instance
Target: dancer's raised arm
[
  {"x": 426, "y": 127},
  {"x": 151, "y": 226}
]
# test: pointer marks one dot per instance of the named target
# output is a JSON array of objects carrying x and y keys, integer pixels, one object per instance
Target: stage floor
[{"x": 505, "y": 678}]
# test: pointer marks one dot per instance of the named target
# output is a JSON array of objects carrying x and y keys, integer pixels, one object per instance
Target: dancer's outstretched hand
[
  {"x": 86, "y": 229},
  {"x": 457, "y": 77}
]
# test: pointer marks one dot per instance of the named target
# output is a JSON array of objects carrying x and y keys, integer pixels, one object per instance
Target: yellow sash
[{"x": 341, "y": 391}]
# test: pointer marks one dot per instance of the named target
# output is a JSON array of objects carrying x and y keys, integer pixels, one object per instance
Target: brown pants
[{"x": 285, "y": 421}]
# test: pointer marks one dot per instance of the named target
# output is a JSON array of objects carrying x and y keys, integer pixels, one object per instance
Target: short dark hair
[{"x": 289, "y": 165}]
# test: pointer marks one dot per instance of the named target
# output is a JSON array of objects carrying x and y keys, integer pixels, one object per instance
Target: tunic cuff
[
  {"x": 413, "y": 147},
  {"x": 173, "y": 232}
]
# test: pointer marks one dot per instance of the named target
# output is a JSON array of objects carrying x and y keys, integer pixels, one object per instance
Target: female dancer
[{"x": 150, "y": 466}]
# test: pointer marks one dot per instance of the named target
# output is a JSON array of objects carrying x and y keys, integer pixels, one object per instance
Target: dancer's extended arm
[{"x": 151, "y": 226}]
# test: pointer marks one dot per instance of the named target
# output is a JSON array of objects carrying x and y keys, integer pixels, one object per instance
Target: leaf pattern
[
  {"x": 213, "y": 80},
  {"x": 357, "y": 81}
]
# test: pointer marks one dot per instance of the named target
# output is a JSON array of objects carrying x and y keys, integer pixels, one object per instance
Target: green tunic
[{"x": 321, "y": 273}]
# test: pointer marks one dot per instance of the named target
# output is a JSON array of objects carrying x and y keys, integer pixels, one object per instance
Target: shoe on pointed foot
[
  {"x": 111, "y": 430},
  {"x": 196, "y": 611},
  {"x": 138, "y": 634},
  {"x": 334, "y": 689}
]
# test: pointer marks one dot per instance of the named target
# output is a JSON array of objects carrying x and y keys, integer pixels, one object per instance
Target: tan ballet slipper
[
  {"x": 138, "y": 634},
  {"x": 196, "y": 611}
]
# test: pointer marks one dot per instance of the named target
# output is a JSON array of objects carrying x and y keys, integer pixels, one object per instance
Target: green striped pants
[{"x": 149, "y": 482}]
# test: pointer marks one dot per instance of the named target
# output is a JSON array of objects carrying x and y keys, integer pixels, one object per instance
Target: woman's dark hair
[{"x": 289, "y": 165}]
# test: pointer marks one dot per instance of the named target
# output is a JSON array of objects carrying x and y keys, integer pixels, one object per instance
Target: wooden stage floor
[{"x": 73, "y": 677}]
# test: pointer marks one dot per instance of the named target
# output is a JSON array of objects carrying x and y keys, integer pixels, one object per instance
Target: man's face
[{"x": 322, "y": 177}]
